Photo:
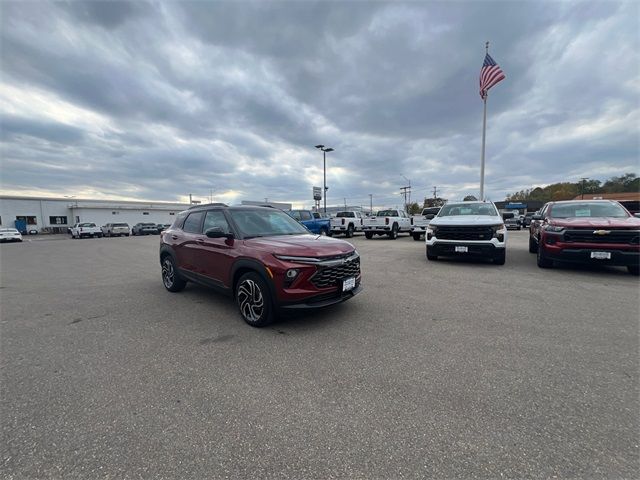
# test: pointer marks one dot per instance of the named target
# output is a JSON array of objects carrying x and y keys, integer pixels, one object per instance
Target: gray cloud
[{"x": 157, "y": 100}]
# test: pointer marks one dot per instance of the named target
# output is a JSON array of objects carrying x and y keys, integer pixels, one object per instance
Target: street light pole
[{"x": 324, "y": 166}]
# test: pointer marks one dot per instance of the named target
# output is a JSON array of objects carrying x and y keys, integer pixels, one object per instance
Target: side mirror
[
  {"x": 536, "y": 217},
  {"x": 217, "y": 232},
  {"x": 429, "y": 216}
]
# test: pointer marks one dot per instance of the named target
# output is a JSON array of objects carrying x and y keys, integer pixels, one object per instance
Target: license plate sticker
[
  {"x": 601, "y": 255},
  {"x": 462, "y": 249},
  {"x": 348, "y": 284}
]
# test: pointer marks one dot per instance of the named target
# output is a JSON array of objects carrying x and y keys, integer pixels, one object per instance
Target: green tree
[{"x": 470, "y": 198}]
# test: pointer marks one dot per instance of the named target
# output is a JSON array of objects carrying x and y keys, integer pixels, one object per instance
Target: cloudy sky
[{"x": 158, "y": 100}]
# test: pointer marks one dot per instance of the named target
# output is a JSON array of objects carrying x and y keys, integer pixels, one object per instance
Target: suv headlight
[
  {"x": 499, "y": 232},
  {"x": 553, "y": 229}
]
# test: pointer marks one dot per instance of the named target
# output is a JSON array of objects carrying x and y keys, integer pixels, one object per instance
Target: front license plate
[
  {"x": 461, "y": 249},
  {"x": 348, "y": 284},
  {"x": 601, "y": 255}
]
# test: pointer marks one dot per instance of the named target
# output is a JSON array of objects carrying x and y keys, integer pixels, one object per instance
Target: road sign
[{"x": 317, "y": 193}]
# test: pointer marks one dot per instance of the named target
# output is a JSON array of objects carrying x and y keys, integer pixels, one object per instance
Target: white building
[{"x": 56, "y": 214}]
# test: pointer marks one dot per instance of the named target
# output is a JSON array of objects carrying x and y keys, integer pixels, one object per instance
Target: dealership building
[{"x": 54, "y": 215}]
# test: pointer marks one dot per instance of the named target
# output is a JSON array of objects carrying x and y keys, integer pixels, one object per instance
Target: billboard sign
[{"x": 317, "y": 193}]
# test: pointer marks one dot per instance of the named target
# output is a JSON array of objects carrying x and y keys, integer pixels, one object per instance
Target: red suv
[
  {"x": 586, "y": 231},
  {"x": 261, "y": 256}
]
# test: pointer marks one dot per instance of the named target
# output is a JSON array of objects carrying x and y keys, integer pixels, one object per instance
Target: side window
[
  {"x": 304, "y": 215},
  {"x": 295, "y": 214},
  {"x": 316, "y": 215},
  {"x": 193, "y": 222},
  {"x": 216, "y": 218}
]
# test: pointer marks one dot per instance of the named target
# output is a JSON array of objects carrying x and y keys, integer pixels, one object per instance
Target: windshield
[
  {"x": 344, "y": 214},
  {"x": 87, "y": 225},
  {"x": 120, "y": 225},
  {"x": 587, "y": 209},
  {"x": 13, "y": 230},
  {"x": 388, "y": 213},
  {"x": 266, "y": 223},
  {"x": 467, "y": 209}
]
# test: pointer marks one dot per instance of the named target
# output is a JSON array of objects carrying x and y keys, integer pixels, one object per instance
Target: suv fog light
[
  {"x": 290, "y": 275},
  {"x": 550, "y": 240}
]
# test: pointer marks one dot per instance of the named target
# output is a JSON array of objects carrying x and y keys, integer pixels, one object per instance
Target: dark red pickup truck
[{"x": 586, "y": 231}]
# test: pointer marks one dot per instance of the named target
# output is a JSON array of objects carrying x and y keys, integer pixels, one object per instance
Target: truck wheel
[
  {"x": 543, "y": 261},
  {"x": 393, "y": 234},
  {"x": 254, "y": 300},
  {"x": 323, "y": 232},
  {"x": 431, "y": 257},
  {"x": 634, "y": 269},
  {"x": 368, "y": 235},
  {"x": 533, "y": 246},
  {"x": 349, "y": 233},
  {"x": 416, "y": 237},
  {"x": 500, "y": 258}
]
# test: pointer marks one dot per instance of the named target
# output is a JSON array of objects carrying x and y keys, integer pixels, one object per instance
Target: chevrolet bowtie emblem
[{"x": 601, "y": 232}]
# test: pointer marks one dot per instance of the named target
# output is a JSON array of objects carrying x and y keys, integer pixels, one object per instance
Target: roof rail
[{"x": 199, "y": 205}]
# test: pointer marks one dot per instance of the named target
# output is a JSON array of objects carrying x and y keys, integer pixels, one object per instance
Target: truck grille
[
  {"x": 614, "y": 236},
  {"x": 330, "y": 276},
  {"x": 465, "y": 233}
]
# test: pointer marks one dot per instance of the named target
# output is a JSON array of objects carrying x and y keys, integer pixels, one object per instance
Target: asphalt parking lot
[{"x": 437, "y": 369}]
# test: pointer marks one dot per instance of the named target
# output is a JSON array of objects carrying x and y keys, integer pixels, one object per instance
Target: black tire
[
  {"x": 324, "y": 232},
  {"x": 634, "y": 269},
  {"x": 171, "y": 279},
  {"x": 431, "y": 257},
  {"x": 393, "y": 234},
  {"x": 500, "y": 257},
  {"x": 368, "y": 235},
  {"x": 349, "y": 233},
  {"x": 542, "y": 260},
  {"x": 533, "y": 245},
  {"x": 254, "y": 300},
  {"x": 416, "y": 236},
  {"x": 99, "y": 235}
]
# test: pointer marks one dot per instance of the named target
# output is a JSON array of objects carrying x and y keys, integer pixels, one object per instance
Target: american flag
[{"x": 490, "y": 74}]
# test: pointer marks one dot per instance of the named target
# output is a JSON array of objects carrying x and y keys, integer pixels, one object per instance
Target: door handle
[
  {"x": 199, "y": 241},
  {"x": 174, "y": 237}
]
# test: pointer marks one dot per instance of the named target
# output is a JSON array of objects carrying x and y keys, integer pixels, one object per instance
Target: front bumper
[
  {"x": 418, "y": 229},
  {"x": 479, "y": 249},
  {"x": 565, "y": 252},
  {"x": 323, "y": 300}
]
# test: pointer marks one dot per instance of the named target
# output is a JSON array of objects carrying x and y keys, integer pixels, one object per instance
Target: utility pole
[
  {"x": 405, "y": 191},
  {"x": 190, "y": 200},
  {"x": 345, "y": 203},
  {"x": 371, "y": 203},
  {"x": 582, "y": 180},
  {"x": 435, "y": 192}
]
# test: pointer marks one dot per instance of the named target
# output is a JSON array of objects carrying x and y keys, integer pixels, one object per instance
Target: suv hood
[
  {"x": 593, "y": 222},
  {"x": 466, "y": 220},
  {"x": 301, "y": 245}
]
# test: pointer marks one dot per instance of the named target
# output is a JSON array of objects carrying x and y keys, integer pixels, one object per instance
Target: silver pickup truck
[{"x": 420, "y": 222}]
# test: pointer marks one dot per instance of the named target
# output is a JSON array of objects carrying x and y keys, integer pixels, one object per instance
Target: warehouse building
[{"x": 55, "y": 215}]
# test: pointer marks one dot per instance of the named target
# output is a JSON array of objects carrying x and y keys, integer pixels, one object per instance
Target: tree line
[{"x": 629, "y": 182}]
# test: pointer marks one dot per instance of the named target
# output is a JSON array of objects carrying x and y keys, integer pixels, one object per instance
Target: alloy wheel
[
  {"x": 168, "y": 273},
  {"x": 250, "y": 300}
]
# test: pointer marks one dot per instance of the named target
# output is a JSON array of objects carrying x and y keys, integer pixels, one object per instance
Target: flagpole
[{"x": 484, "y": 135}]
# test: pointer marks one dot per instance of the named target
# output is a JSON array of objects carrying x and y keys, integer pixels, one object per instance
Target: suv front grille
[
  {"x": 330, "y": 276},
  {"x": 614, "y": 236},
  {"x": 464, "y": 233}
]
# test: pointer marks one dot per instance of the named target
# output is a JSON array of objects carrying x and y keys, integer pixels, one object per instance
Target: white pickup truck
[
  {"x": 387, "y": 222},
  {"x": 347, "y": 222},
  {"x": 80, "y": 230},
  {"x": 466, "y": 229},
  {"x": 419, "y": 222}
]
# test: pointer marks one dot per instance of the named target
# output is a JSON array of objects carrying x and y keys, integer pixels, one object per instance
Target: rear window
[
  {"x": 193, "y": 223},
  {"x": 120, "y": 225},
  {"x": 388, "y": 213},
  {"x": 345, "y": 215},
  {"x": 87, "y": 225}
]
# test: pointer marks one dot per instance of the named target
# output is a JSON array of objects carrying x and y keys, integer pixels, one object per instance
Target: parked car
[
  {"x": 593, "y": 231},
  {"x": 420, "y": 222},
  {"x": 511, "y": 221},
  {"x": 390, "y": 222},
  {"x": 320, "y": 226},
  {"x": 9, "y": 234},
  {"x": 116, "y": 230},
  {"x": 347, "y": 222},
  {"x": 86, "y": 229},
  {"x": 261, "y": 256},
  {"x": 162, "y": 226},
  {"x": 467, "y": 229},
  {"x": 144, "y": 229},
  {"x": 526, "y": 222}
]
